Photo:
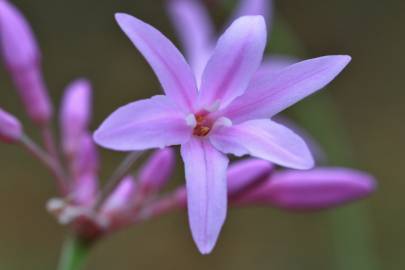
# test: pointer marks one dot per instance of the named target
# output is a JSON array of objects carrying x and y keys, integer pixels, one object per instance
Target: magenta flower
[
  {"x": 22, "y": 59},
  {"x": 315, "y": 189},
  {"x": 228, "y": 114}
]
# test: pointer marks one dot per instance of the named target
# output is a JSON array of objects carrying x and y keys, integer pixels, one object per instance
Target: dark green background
[{"x": 80, "y": 38}]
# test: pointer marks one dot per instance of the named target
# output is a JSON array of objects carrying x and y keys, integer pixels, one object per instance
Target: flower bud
[
  {"x": 312, "y": 190},
  {"x": 10, "y": 128},
  {"x": 22, "y": 59},
  {"x": 75, "y": 114},
  {"x": 85, "y": 171},
  {"x": 156, "y": 171},
  {"x": 86, "y": 159},
  {"x": 246, "y": 173},
  {"x": 121, "y": 199}
]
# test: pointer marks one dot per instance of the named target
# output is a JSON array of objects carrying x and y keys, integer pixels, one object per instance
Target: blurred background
[{"x": 80, "y": 38}]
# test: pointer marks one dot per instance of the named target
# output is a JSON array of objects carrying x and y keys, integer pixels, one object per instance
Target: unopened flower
[
  {"x": 156, "y": 171},
  {"x": 84, "y": 171},
  {"x": 10, "y": 128},
  {"x": 228, "y": 114},
  {"x": 121, "y": 199},
  {"x": 75, "y": 115},
  {"x": 22, "y": 59},
  {"x": 310, "y": 190}
]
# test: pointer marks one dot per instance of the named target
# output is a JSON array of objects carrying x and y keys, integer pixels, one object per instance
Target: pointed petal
[
  {"x": 236, "y": 58},
  {"x": 170, "y": 67},
  {"x": 270, "y": 95},
  {"x": 144, "y": 124},
  {"x": 264, "y": 139},
  {"x": 312, "y": 190},
  {"x": 272, "y": 65},
  {"x": 195, "y": 30},
  {"x": 11, "y": 130},
  {"x": 206, "y": 191}
]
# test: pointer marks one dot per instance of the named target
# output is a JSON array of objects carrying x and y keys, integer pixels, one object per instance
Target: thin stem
[
  {"x": 74, "y": 254},
  {"x": 46, "y": 160},
  {"x": 49, "y": 142},
  {"x": 122, "y": 170}
]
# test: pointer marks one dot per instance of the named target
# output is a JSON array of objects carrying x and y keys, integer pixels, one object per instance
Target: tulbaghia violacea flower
[
  {"x": 228, "y": 114},
  {"x": 10, "y": 128},
  {"x": 197, "y": 33},
  {"x": 320, "y": 188},
  {"x": 22, "y": 59}
]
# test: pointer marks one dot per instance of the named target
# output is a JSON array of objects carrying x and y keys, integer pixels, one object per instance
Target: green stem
[{"x": 74, "y": 254}]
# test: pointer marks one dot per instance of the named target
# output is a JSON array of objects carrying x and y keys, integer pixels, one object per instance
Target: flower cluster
[{"x": 221, "y": 103}]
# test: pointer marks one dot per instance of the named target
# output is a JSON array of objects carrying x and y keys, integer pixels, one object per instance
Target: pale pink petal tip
[
  {"x": 316, "y": 189},
  {"x": 157, "y": 171},
  {"x": 10, "y": 128}
]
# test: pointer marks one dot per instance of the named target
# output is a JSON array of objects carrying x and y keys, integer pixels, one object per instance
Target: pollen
[{"x": 202, "y": 128}]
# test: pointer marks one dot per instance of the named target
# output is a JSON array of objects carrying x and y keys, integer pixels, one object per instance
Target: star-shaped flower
[{"x": 229, "y": 113}]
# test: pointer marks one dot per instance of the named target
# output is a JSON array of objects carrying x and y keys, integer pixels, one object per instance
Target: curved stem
[
  {"x": 47, "y": 160},
  {"x": 74, "y": 254}
]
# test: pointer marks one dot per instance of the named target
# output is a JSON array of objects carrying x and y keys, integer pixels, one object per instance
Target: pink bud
[
  {"x": 85, "y": 189},
  {"x": 86, "y": 159},
  {"x": 246, "y": 173},
  {"x": 312, "y": 190},
  {"x": 85, "y": 171},
  {"x": 121, "y": 199},
  {"x": 22, "y": 59},
  {"x": 156, "y": 171},
  {"x": 75, "y": 114},
  {"x": 10, "y": 128}
]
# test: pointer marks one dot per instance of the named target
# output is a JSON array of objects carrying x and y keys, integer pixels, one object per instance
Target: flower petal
[
  {"x": 236, "y": 58},
  {"x": 312, "y": 190},
  {"x": 272, "y": 65},
  {"x": 195, "y": 30},
  {"x": 174, "y": 73},
  {"x": 264, "y": 139},
  {"x": 272, "y": 94},
  {"x": 206, "y": 191},
  {"x": 144, "y": 124}
]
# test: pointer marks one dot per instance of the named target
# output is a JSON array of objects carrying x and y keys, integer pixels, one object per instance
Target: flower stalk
[{"x": 74, "y": 254}]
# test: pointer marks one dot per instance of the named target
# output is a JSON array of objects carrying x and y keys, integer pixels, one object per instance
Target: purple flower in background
[
  {"x": 22, "y": 59},
  {"x": 228, "y": 114},
  {"x": 197, "y": 33},
  {"x": 315, "y": 189}
]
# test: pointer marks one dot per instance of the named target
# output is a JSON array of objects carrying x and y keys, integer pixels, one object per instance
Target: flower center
[{"x": 203, "y": 126}]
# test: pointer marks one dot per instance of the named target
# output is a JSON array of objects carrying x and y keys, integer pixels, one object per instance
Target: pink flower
[{"x": 228, "y": 114}]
